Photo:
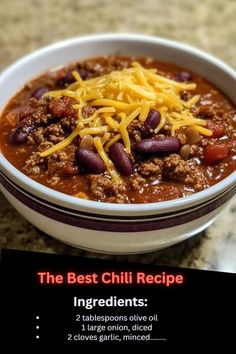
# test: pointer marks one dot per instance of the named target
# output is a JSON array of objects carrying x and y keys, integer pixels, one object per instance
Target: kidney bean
[
  {"x": 152, "y": 121},
  {"x": 153, "y": 146},
  {"x": 18, "y": 136},
  {"x": 183, "y": 76},
  {"x": 121, "y": 159},
  {"x": 39, "y": 92},
  {"x": 153, "y": 118},
  {"x": 90, "y": 161}
]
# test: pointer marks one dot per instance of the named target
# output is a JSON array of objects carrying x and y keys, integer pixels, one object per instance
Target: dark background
[
  {"x": 199, "y": 312},
  {"x": 207, "y": 24}
]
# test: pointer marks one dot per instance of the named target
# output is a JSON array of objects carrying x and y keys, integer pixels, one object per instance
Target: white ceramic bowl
[{"x": 106, "y": 227}]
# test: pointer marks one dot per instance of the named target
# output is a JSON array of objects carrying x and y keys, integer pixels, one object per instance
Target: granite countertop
[{"x": 209, "y": 25}]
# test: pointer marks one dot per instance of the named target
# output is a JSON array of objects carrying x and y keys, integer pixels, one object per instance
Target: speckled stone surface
[{"x": 207, "y": 24}]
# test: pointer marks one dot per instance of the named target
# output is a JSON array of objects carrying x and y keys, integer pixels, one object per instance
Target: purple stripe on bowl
[{"x": 116, "y": 226}]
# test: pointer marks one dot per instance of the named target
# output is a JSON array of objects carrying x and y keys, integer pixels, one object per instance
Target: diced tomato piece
[
  {"x": 217, "y": 130},
  {"x": 215, "y": 153}
]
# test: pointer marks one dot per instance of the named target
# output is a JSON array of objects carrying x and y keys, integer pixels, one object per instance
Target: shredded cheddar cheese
[
  {"x": 106, "y": 160},
  {"x": 113, "y": 141},
  {"x": 202, "y": 130},
  {"x": 120, "y": 97}
]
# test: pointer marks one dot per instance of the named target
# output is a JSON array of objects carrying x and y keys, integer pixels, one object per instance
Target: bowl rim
[{"x": 104, "y": 207}]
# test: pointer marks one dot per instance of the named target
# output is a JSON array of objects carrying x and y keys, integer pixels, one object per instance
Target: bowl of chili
[{"x": 118, "y": 143}]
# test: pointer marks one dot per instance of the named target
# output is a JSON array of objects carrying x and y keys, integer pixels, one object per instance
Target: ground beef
[
  {"x": 32, "y": 106},
  {"x": 178, "y": 170},
  {"x": 135, "y": 130},
  {"x": 91, "y": 68},
  {"x": 117, "y": 63},
  {"x": 63, "y": 163},
  {"x": 211, "y": 111},
  {"x": 45, "y": 146},
  {"x": 232, "y": 146},
  {"x": 119, "y": 194},
  {"x": 25, "y": 111},
  {"x": 199, "y": 180},
  {"x": 63, "y": 107},
  {"x": 103, "y": 188},
  {"x": 54, "y": 133},
  {"x": 185, "y": 95},
  {"x": 151, "y": 167},
  {"x": 225, "y": 119},
  {"x": 205, "y": 141},
  {"x": 88, "y": 111},
  {"x": 194, "y": 150},
  {"x": 35, "y": 113},
  {"x": 41, "y": 115},
  {"x": 205, "y": 111},
  {"x": 36, "y": 137},
  {"x": 137, "y": 182},
  {"x": 181, "y": 136},
  {"x": 100, "y": 185},
  {"x": 35, "y": 164},
  {"x": 68, "y": 123}
]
